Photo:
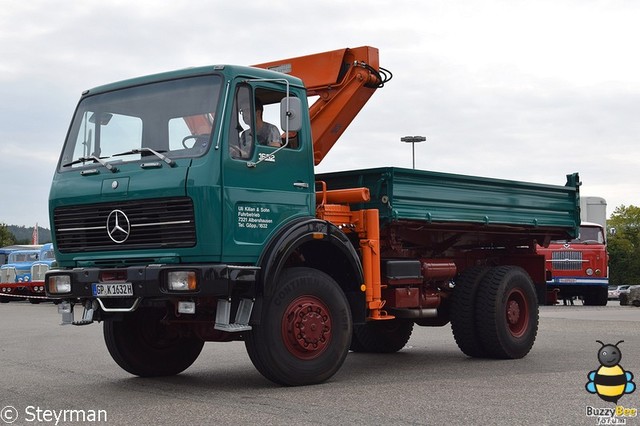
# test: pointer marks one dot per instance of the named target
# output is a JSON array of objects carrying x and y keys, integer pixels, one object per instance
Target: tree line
[
  {"x": 624, "y": 245},
  {"x": 12, "y": 234}
]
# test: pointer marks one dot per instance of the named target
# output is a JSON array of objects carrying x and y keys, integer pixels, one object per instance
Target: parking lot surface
[{"x": 48, "y": 370}]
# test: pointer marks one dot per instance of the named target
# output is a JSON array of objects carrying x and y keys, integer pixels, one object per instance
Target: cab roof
[{"x": 229, "y": 71}]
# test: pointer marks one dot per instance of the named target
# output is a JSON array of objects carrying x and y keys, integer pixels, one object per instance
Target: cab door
[{"x": 264, "y": 186}]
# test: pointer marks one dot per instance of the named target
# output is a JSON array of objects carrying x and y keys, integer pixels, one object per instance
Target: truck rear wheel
[
  {"x": 143, "y": 346},
  {"x": 305, "y": 329},
  {"x": 507, "y": 313},
  {"x": 384, "y": 336},
  {"x": 463, "y": 307}
]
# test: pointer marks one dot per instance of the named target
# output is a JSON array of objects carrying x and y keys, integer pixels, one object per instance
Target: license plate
[{"x": 112, "y": 290}]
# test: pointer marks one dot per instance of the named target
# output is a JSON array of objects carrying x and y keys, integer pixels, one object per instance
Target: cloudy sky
[{"x": 522, "y": 90}]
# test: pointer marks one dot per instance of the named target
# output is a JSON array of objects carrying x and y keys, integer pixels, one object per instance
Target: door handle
[{"x": 303, "y": 185}]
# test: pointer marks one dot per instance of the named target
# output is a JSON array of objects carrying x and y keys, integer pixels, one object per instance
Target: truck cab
[
  {"x": 18, "y": 267},
  {"x": 46, "y": 259},
  {"x": 4, "y": 255},
  {"x": 160, "y": 171},
  {"x": 578, "y": 267}
]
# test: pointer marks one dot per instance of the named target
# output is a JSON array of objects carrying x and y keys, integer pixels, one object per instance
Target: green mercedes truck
[{"x": 185, "y": 209}]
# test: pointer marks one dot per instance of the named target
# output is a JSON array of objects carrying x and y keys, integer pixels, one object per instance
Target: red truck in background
[{"x": 580, "y": 267}]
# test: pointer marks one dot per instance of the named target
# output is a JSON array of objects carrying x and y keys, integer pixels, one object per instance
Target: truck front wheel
[
  {"x": 142, "y": 345},
  {"x": 507, "y": 313},
  {"x": 305, "y": 329}
]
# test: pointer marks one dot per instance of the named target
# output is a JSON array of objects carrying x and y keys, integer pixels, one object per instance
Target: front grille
[
  {"x": 8, "y": 275},
  {"x": 568, "y": 260},
  {"x": 38, "y": 270},
  {"x": 156, "y": 223}
]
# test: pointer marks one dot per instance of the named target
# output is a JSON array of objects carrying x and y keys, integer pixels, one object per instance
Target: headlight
[
  {"x": 182, "y": 281},
  {"x": 59, "y": 284},
  {"x": 589, "y": 271}
]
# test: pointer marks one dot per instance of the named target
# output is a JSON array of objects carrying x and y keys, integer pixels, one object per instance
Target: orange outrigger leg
[{"x": 333, "y": 207}]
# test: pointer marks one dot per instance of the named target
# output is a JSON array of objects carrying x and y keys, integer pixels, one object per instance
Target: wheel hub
[
  {"x": 517, "y": 313},
  {"x": 306, "y": 327},
  {"x": 513, "y": 312}
]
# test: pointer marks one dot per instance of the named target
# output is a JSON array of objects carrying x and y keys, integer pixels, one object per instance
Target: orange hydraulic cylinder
[
  {"x": 349, "y": 195},
  {"x": 371, "y": 262}
]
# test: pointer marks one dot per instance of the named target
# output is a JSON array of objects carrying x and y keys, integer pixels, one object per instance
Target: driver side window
[{"x": 240, "y": 137}]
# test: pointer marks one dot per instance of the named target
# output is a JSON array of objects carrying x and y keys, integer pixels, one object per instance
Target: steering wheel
[{"x": 590, "y": 242}]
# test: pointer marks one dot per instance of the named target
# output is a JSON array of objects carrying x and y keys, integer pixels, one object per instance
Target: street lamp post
[{"x": 413, "y": 140}]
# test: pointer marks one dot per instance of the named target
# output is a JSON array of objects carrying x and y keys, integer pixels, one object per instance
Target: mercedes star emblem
[{"x": 118, "y": 226}]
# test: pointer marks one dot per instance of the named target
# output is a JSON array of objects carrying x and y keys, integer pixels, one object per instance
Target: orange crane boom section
[{"x": 343, "y": 80}]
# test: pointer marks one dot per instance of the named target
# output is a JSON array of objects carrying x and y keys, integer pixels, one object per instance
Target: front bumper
[{"x": 150, "y": 281}]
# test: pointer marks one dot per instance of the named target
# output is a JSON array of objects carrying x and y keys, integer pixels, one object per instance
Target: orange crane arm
[{"x": 344, "y": 80}]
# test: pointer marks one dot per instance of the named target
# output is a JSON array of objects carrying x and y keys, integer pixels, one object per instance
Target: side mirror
[
  {"x": 290, "y": 114},
  {"x": 104, "y": 118}
]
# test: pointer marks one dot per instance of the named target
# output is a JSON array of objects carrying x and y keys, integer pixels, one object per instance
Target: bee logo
[{"x": 610, "y": 381}]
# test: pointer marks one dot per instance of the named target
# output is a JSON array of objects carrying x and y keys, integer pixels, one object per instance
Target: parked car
[
  {"x": 626, "y": 296},
  {"x": 614, "y": 291},
  {"x": 632, "y": 296}
]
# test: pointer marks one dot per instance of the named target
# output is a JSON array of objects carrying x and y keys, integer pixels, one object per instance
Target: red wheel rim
[
  {"x": 517, "y": 313},
  {"x": 306, "y": 327}
]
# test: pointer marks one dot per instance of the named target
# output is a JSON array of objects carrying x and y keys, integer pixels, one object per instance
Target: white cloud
[{"x": 510, "y": 89}]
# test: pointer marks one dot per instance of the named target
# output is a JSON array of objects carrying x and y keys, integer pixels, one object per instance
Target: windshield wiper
[
  {"x": 164, "y": 158},
  {"x": 95, "y": 160}
]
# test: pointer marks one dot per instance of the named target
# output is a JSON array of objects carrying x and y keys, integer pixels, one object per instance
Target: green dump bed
[{"x": 441, "y": 198}]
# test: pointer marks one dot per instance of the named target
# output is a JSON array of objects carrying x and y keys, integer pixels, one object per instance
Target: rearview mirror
[
  {"x": 290, "y": 114},
  {"x": 103, "y": 118}
]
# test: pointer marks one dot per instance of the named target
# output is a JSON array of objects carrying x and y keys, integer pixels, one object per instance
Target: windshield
[
  {"x": 23, "y": 257},
  {"x": 173, "y": 117},
  {"x": 590, "y": 234},
  {"x": 48, "y": 255}
]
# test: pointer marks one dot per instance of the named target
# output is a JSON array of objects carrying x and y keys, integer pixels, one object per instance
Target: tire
[
  {"x": 143, "y": 346},
  {"x": 463, "y": 307},
  {"x": 636, "y": 303},
  {"x": 311, "y": 302},
  {"x": 596, "y": 297},
  {"x": 624, "y": 300},
  {"x": 5, "y": 299},
  {"x": 383, "y": 336},
  {"x": 34, "y": 301},
  {"x": 507, "y": 313}
]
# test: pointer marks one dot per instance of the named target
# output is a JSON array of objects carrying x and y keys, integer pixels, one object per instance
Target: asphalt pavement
[{"x": 63, "y": 375}]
